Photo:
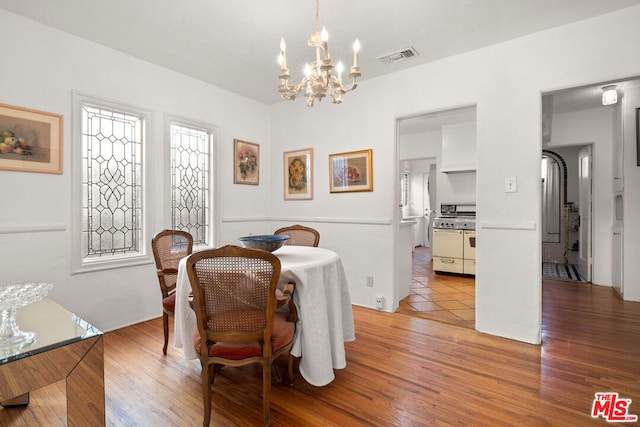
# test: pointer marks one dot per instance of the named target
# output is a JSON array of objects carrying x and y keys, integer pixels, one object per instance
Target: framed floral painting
[
  {"x": 246, "y": 157},
  {"x": 351, "y": 171},
  {"x": 298, "y": 181},
  {"x": 30, "y": 140}
]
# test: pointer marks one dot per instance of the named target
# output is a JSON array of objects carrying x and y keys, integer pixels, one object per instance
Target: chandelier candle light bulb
[
  {"x": 340, "y": 69},
  {"x": 320, "y": 80},
  {"x": 325, "y": 43},
  {"x": 283, "y": 54},
  {"x": 356, "y": 49}
]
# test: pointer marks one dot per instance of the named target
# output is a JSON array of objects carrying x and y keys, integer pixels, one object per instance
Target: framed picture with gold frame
[
  {"x": 246, "y": 166},
  {"x": 298, "y": 178},
  {"x": 30, "y": 140},
  {"x": 352, "y": 171}
]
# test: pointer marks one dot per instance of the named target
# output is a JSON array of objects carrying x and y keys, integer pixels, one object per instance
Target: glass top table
[{"x": 66, "y": 347}]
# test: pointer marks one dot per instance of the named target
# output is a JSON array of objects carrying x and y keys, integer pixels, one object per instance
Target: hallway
[{"x": 448, "y": 298}]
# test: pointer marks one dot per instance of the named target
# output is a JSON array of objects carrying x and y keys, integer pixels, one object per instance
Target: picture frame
[
  {"x": 298, "y": 177},
  {"x": 246, "y": 162},
  {"x": 30, "y": 140},
  {"x": 637, "y": 136},
  {"x": 352, "y": 171}
]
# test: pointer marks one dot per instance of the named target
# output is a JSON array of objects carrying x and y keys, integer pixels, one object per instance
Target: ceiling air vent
[{"x": 398, "y": 56}]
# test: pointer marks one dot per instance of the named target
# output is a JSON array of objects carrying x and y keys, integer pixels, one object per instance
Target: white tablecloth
[{"x": 325, "y": 318}]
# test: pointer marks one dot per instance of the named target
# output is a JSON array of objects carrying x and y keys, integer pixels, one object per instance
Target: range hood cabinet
[{"x": 458, "y": 148}]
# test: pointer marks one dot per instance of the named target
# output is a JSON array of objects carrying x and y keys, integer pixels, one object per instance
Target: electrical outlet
[
  {"x": 370, "y": 281},
  {"x": 379, "y": 301}
]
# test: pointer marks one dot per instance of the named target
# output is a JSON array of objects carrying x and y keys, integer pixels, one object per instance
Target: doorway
[
  {"x": 564, "y": 215},
  {"x": 426, "y": 139},
  {"x": 418, "y": 197},
  {"x": 576, "y": 118}
]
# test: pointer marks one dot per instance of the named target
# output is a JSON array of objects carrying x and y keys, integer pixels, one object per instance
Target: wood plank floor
[{"x": 401, "y": 371}]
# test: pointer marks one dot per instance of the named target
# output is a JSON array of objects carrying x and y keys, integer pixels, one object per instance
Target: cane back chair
[
  {"x": 299, "y": 235},
  {"x": 235, "y": 301},
  {"x": 169, "y": 247}
]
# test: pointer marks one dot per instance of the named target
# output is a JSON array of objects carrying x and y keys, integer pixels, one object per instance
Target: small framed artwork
[
  {"x": 30, "y": 140},
  {"x": 246, "y": 158},
  {"x": 638, "y": 136},
  {"x": 351, "y": 171},
  {"x": 298, "y": 165}
]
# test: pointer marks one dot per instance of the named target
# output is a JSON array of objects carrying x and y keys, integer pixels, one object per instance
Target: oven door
[
  {"x": 448, "y": 250},
  {"x": 469, "y": 252}
]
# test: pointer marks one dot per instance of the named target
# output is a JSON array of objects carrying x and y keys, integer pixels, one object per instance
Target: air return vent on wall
[{"x": 398, "y": 56}]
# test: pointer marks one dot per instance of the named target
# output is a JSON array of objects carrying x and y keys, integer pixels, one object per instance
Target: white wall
[
  {"x": 421, "y": 145},
  {"x": 631, "y": 237},
  {"x": 459, "y": 187},
  {"x": 362, "y": 227},
  {"x": 505, "y": 81},
  {"x": 594, "y": 126},
  {"x": 46, "y": 65}
]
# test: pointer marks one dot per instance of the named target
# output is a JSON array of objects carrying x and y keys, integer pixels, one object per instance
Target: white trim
[
  {"x": 523, "y": 226},
  {"x": 78, "y": 265},
  {"x": 31, "y": 228},
  {"x": 213, "y": 132},
  {"x": 365, "y": 221}
]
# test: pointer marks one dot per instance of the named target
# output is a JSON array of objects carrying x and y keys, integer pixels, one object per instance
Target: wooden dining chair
[
  {"x": 235, "y": 301},
  {"x": 300, "y": 235},
  {"x": 169, "y": 247}
]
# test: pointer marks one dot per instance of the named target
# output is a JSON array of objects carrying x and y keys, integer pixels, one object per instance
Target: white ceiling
[{"x": 234, "y": 44}]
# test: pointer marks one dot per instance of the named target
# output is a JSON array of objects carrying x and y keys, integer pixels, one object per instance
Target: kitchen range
[{"x": 454, "y": 239}]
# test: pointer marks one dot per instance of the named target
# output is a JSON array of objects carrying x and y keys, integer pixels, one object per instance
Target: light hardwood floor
[{"x": 402, "y": 371}]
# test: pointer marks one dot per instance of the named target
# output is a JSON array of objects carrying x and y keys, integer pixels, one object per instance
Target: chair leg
[
  {"x": 214, "y": 370},
  {"x": 276, "y": 373},
  {"x": 165, "y": 326},
  {"x": 290, "y": 369},
  {"x": 206, "y": 378},
  {"x": 266, "y": 390}
]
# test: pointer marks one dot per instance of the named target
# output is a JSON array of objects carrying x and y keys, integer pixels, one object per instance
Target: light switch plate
[{"x": 510, "y": 184}]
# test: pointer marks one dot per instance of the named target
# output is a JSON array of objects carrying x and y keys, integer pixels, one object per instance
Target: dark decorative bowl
[{"x": 267, "y": 242}]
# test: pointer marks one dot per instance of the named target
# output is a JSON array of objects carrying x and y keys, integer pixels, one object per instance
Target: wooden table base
[
  {"x": 18, "y": 401},
  {"x": 81, "y": 363}
]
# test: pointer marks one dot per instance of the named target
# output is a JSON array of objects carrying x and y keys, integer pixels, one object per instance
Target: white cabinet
[
  {"x": 454, "y": 251},
  {"x": 618, "y": 150},
  {"x": 458, "y": 148},
  {"x": 616, "y": 254},
  {"x": 469, "y": 252},
  {"x": 448, "y": 251},
  {"x": 405, "y": 258}
]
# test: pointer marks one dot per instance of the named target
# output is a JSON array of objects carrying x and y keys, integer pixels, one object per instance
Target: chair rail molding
[
  {"x": 497, "y": 225},
  {"x": 31, "y": 228},
  {"x": 364, "y": 221}
]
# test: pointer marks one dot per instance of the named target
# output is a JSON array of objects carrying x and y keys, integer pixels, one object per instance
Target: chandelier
[{"x": 319, "y": 78}]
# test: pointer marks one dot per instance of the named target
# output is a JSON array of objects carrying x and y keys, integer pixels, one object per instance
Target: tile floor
[{"x": 448, "y": 298}]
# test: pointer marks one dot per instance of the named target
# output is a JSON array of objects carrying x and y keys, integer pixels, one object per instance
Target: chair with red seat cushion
[
  {"x": 300, "y": 235},
  {"x": 169, "y": 247},
  {"x": 235, "y": 301}
]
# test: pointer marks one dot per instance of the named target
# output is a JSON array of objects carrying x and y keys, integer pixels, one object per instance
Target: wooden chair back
[
  {"x": 169, "y": 247},
  {"x": 300, "y": 235},
  {"x": 235, "y": 301}
]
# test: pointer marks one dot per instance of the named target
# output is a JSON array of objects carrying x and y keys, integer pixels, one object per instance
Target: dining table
[
  {"x": 64, "y": 348},
  {"x": 323, "y": 302}
]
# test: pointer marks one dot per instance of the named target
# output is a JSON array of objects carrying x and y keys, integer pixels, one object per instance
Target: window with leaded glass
[
  {"x": 190, "y": 180},
  {"x": 110, "y": 166}
]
